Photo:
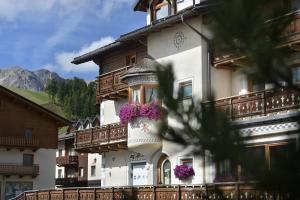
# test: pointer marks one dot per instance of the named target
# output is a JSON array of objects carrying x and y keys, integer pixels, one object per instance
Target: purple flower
[
  {"x": 152, "y": 111},
  {"x": 128, "y": 113},
  {"x": 183, "y": 172}
]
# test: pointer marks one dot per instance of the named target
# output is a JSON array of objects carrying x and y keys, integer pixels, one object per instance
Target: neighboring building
[
  {"x": 176, "y": 33},
  {"x": 77, "y": 169},
  {"x": 28, "y": 139}
]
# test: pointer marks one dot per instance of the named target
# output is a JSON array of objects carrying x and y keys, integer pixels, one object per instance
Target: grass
[{"x": 42, "y": 99}]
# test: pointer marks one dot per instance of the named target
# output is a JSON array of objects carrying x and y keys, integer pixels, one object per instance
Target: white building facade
[{"x": 133, "y": 154}]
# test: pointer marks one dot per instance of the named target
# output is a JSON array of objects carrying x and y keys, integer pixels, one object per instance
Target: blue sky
[{"x": 47, "y": 34}]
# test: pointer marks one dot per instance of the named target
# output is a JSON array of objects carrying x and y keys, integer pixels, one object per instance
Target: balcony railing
[
  {"x": 67, "y": 160},
  {"x": 109, "y": 85},
  {"x": 19, "y": 142},
  {"x": 19, "y": 170},
  {"x": 231, "y": 191},
  {"x": 67, "y": 182},
  {"x": 102, "y": 139},
  {"x": 290, "y": 37},
  {"x": 260, "y": 103}
]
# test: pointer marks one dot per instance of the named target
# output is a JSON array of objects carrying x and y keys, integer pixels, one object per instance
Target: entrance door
[{"x": 139, "y": 174}]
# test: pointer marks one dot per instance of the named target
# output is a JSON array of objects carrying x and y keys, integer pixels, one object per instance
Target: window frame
[
  {"x": 93, "y": 169},
  {"x": 27, "y": 156},
  {"x": 185, "y": 82}
]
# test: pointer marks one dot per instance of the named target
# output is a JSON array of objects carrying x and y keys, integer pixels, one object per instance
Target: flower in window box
[
  {"x": 129, "y": 112},
  {"x": 152, "y": 111},
  {"x": 183, "y": 172}
]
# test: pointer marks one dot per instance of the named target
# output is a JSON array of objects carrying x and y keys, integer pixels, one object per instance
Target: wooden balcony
[
  {"x": 290, "y": 39},
  {"x": 262, "y": 103},
  {"x": 70, "y": 182},
  {"x": 231, "y": 191},
  {"x": 67, "y": 160},
  {"x": 112, "y": 137},
  {"x": 19, "y": 170},
  {"x": 109, "y": 85},
  {"x": 19, "y": 142}
]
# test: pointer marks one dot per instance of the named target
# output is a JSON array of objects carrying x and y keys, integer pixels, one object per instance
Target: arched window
[{"x": 166, "y": 172}]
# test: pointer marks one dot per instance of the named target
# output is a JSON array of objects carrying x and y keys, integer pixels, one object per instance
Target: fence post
[
  {"x": 94, "y": 193},
  {"x": 265, "y": 103},
  {"x": 154, "y": 192},
  {"x": 113, "y": 193},
  {"x": 78, "y": 197},
  {"x": 179, "y": 192},
  {"x": 237, "y": 188}
]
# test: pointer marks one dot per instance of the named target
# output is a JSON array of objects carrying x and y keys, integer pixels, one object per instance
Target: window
[
  {"x": 59, "y": 173},
  {"x": 27, "y": 159},
  {"x": 225, "y": 171},
  {"x": 60, "y": 152},
  {"x": 151, "y": 94},
  {"x": 186, "y": 89},
  {"x": 296, "y": 75},
  {"x": 93, "y": 170},
  {"x": 71, "y": 151},
  {"x": 166, "y": 173},
  {"x": 130, "y": 59},
  {"x": 162, "y": 9},
  {"x": 28, "y": 133},
  {"x": 182, "y": 4},
  {"x": 188, "y": 162},
  {"x": 136, "y": 95},
  {"x": 81, "y": 172}
]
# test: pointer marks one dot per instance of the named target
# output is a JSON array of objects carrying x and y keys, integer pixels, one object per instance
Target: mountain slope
[
  {"x": 40, "y": 98},
  {"x": 30, "y": 80}
]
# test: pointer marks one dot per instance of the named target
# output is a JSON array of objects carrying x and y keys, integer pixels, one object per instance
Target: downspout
[
  {"x": 209, "y": 92},
  {"x": 208, "y": 42}
]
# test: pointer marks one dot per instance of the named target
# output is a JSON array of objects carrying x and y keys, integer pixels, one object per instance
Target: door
[{"x": 139, "y": 174}]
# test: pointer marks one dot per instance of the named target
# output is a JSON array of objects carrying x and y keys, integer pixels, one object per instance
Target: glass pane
[
  {"x": 296, "y": 74},
  {"x": 150, "y": 95},
  {"x": 27, "y": 159},
  {"x": 136, "y": 96},
  {"x": 28, "y": 133},
  {"x": 167, "y": 173},
  {"x": 186, "y": 89}
]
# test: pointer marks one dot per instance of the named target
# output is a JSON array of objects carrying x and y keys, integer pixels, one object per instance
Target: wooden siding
[
  {"x": 16, "y": 117},
  {"x": 117, "y": 59}
]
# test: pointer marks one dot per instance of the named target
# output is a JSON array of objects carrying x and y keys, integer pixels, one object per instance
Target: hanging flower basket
[
  {"x": 130, "y": 112},
  {"x": 183, "y": 172}
]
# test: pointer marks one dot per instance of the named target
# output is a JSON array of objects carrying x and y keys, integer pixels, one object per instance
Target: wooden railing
[
  {"x": 230, "y": 192},
  {"x": 19, "y": 170},
  {"x": 19, "y": 142},
  {"x": 109, "y": 85},
  {"x": 66, "y": 182},
  {"x": 260, "y": 103},
  {"x": 290, "y": 37},
  {"x": 105, "y": 137},
  {"x": 67, "y": 160}
]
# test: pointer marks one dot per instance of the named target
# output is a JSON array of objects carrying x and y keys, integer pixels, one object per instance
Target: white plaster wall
[
  {"x": 45, "y": 158},
  {"x": 221, "y": 82},
  {"x": 239, "y": 83},
  {"x": 111, "y": 110},
  {"x": 187, "y": 59},
  {"x": 92, "y": 157},
  {"x": 47, "y": 162}
]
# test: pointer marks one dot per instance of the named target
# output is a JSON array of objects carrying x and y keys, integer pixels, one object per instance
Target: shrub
[{"x": 183, "y": 172}]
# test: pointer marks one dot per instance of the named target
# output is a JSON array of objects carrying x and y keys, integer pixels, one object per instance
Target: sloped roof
[
  {"x": 136, "y": 35},
  {"x": 61, "y": 121}
]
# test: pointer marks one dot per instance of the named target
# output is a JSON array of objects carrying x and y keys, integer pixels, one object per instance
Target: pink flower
[
  {"x": 128, "y": 113},
  {"x": 152, "y": 111}
]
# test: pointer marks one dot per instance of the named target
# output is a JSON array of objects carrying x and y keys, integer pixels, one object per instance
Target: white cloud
[
  {"x": 64, "y": 59},
  {"x": 11, "y": 10}
]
